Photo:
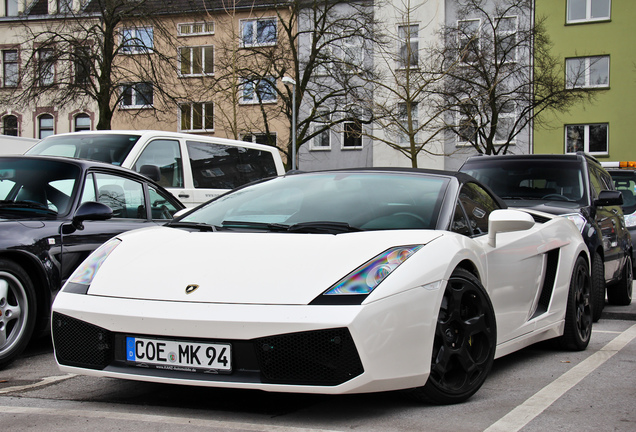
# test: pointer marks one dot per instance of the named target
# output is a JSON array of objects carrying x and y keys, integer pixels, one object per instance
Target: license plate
[{"x": 180, "y": 355}]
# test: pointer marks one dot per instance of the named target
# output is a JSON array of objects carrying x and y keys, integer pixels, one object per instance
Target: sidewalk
[{"x": 620, "y": 312}]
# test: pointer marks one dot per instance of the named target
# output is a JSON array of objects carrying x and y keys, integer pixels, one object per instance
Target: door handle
[{"x": 182, "y": 195}]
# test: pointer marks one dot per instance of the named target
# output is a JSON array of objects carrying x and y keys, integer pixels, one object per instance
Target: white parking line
[
  {"x": 45, "y": 381},
  {"x": 531, "y": 408},
  {"x": 149, "y": 418}
]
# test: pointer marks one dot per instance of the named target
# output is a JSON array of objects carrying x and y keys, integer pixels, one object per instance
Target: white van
[{"x": 194, "y": 168}]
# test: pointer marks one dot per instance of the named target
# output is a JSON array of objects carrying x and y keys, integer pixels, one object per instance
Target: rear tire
[
  {"x": 18, "y": 311},
  {"x": 620, "y": 293},
  {"x": 598, "y": 286},
  {"x": 464, "y": 345},
  {"x": 578, "y": 312}
]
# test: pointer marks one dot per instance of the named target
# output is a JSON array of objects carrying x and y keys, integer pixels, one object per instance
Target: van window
[
  {"x": 218, "y": 166},
  {"x": 166, "y": 155},
  {"x": 109, "y": 148}
]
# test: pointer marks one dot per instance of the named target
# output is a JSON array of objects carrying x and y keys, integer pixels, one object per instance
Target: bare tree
[
  {"x": 106, "y": 53},
  {"x": 500, "y": 74}
]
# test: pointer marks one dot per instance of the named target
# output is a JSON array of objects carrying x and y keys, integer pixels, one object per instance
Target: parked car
[
  {"x": 624, "y": 177},
  {"x": 577, "y": 187},
  {"x": 53, "y": 213},
  {"x": 193, "y": 168},
  {"x": 332, "y": 282}
]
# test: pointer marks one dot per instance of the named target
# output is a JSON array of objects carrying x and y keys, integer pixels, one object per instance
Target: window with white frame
[
  {"x": 506, "y": 39},
  {"x": 196, "y": 61},
  {"x": 352, "y": 135},
  {"x": 258, "y": 32},
  {"x": 64, "y": 6},
  {"x": 197, "y": 116},
  {"x": 11, "y": 7},
  {"x": 10, "y": 68},
  {"x": 587, "y": 72},
  {"x": 590, "y": 138},
  {"x": 194, "y": 29},
  {"x": 260, "y": 138},
  {"x": 137, "y": 95},
  {"x": 322, "y": 137},
  {"x": 403, "y": 116},
  {"x": 256, "y": 90},
  {"x": 506, "y": 122},
  {"x": 138, "y": 40},
  {"x": 351, "y": 54},
  {"x": 82, "y": 122},
  {"x": 468, "y": 40},
  {"x": 409, "y": 40},
  {"x": 46, "y": 66},
  {"x": 46, "y": 125},
  {"x": 588, "y": 10}
]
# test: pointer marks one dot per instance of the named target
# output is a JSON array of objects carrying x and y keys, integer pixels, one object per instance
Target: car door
[
  {"x": 127, "y": 197},
  {"x": 611, "y": 223},
  {"x": 515, "y": 267}
]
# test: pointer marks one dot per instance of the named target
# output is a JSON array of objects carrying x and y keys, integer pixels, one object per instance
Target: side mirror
[
  {"x": 88, "y": 211},
  {"x": 609, "y": 198},
  {"x": 501, "y": 221},
  {"x": 151, "y": 171}
]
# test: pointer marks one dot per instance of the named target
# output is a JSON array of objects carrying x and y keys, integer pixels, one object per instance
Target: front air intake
[{"x": 81, "y": 344}]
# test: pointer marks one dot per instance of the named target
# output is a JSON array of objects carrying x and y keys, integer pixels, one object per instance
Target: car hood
[{"x": 239, "y": 267}]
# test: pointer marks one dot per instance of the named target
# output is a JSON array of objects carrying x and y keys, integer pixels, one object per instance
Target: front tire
[
  {"x": 578, "y": 312},
  {"x": 465, "y": 342},
  {"x": 620, "y": 293},
  {"x": 17, "y": 309}
]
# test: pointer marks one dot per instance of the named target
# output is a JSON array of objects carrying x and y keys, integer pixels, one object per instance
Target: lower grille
[
  {"x": 322, "y": 357},
  {"x": 81, "y": 344}
]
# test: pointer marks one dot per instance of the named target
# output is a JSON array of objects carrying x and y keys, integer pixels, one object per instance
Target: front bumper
[{"x": 384, "y": 345}]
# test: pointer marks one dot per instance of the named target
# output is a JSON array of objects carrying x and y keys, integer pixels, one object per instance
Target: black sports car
[{"x": 53, "y": 213}]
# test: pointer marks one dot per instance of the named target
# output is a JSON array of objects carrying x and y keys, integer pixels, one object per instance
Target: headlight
[
  {"x": 630, "y": 220},
  {"x": 82, "y": 277},
  {"x": 367, "y": 277},
  {"x": 578, "y": 220}
]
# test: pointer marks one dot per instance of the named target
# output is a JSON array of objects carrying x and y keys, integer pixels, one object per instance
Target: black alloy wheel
[
  {"x": 578, "y": 312},
  {"x": 465, "y": 342}
]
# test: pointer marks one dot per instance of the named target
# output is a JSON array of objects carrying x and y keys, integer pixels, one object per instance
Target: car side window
[
  {"x": 597, "y": 182},
  {"x": 163, "y": 156},
  {"x": 124, "y": 196},
  {"x": 478, "y": 204},
  {"x": 160, "y": 205},
  {"x": 459, "y": 224}
]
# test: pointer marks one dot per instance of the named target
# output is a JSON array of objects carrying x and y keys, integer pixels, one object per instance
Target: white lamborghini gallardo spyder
[{"x": 333, "y": 282}]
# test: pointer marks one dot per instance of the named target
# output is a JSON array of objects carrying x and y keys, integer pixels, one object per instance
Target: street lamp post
[{"x": 288, "y": 81}]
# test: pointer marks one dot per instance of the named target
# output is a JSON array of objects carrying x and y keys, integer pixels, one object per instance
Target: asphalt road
[{"x": 537, "y": 389}]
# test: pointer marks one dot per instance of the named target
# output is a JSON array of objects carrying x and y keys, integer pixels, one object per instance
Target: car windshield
[
  {"x": 625, "y": 182},
  {"x": 109, "y": 148},
  {"x": 517, "y": 179},
  {"x": 329, "y": 202},
  {"x": 32, "y": 188}
]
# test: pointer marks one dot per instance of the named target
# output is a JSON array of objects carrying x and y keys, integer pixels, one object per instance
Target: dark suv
[
  {"x": 577, "y": 187},
  {"x": 624, "y": 177}
]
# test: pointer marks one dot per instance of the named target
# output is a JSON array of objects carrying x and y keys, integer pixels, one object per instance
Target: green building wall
[{"x": 616, "y": 105}]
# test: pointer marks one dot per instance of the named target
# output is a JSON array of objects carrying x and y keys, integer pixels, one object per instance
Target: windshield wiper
[
  {"x": 323, "y": 227},
  {"x": 255, "y": 225},
  {"x": 196, "y": 225},
  {"x": 21, "y": 205}
]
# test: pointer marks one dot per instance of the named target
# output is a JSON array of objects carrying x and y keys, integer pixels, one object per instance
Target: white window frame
[
  {"x": 82, "y": 128},
  {"x": 588, "y": 12},
  {"x": 461, "y": 36},
  {"x": 509, "y": 33},
  {"x": 51, "y": 130},
  {"x": 343, "y": 136},
  {"x": 204, "y": 54},
  {"x": 254, "y": 83},
  {"x": 406, "y": 40},
  {"x": 139, "y": 44},
  {"x": 586, "y": 63},
  {"x": 403, "y": 140},
  {"x": 10, "y": 78},
  {"x": 196, "y": 28},
  {"x": 46, "y": 67},
  {"x": 205, "y": 107},
  {"x": 253, "y": 23},
  {"x": 136, "y": 95},
  {"x": 11, "y": 8},
  {"x": 586, "y": 138},
  {"x": 506, "y": 116},
  {"x": 319, "y": 124}
]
